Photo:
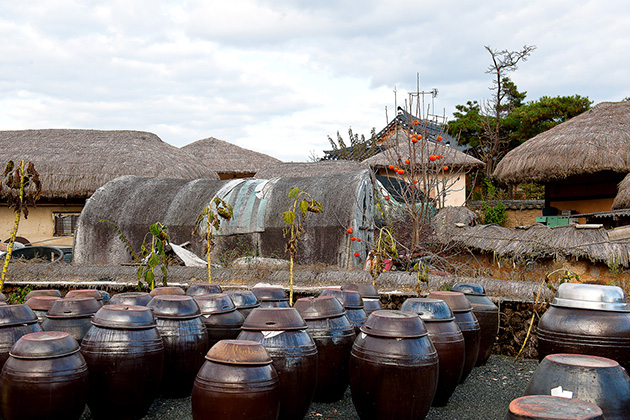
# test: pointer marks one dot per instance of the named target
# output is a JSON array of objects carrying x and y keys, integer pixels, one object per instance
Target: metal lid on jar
[
  {"x": 239, "y": 352},
  {"x": 131, "y": 298},
  {"x": 43, "y": 292},
  {"x": 41, "y": 303},
  {"x": 394, "y": 324},
  {"x": 350, "y": 299},
  {"x": 429, "y": 309},
  {"x": 44, "y": 345},
  {"x": 203, "y": 289},
  {"x": 274, "y": 319},
  {"x": 167, "y": 290},
  {"x": 321, "y": 307},
  {"x": 243, "y": 299},
  {"x": 16, "y": 314},
  {"x": 591, "y": 296},
  {"x": 456, "y": 300},
  {"x": 73, "y": 307},
  {"x": 364, "y": 289},
  {"x": 469, "y": 289},
  {"x": 267, "y": 293},
  {"x": 174, "y": 307},
  {"x": 218, "y": 303},
  {"x": 124, "y": 317}
]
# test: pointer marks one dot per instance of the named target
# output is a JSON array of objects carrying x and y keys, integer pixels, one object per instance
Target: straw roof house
[
  {"x": 310, "y": 169},
  {"x": 227, "y": 159}
]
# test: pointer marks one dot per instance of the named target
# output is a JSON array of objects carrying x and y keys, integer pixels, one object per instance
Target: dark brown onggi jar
[
  {"x": 185, "y": 342},
  {"x": 203, "y": 289},
  {"x": 44, "y": 378},
  {"x": 486, "y": 312},
  {"x": 467, "y": 323},
  {"x": 283, "y": 333},
  {"x": 393, "y": 367},
  {"x": 15, "y": 321},
  {"x": 587, "y": 319},
  {"x": 236, "y": 382},
  {"x": 271, "y": 296},
  {"x": 244, "y": 300},
  {"x": 41, "y": 305},
  {"x": 220, "y": 317},
  {"x": 86, "y": 293},
  {"x": 447, "y": 339},
  {"x": 131, "y": 298},
  {"x": 125, "y": 357},
  {"x": 546, "y": 407},
  {"x": 369, "y": 294},
  {"x": 334, "y": 335},
  {"x": 72, "y": 315},
  {"x": 167, "y": 290},
  {"x": 43, "y": 292},
  {"x": 351, "y": 302}
]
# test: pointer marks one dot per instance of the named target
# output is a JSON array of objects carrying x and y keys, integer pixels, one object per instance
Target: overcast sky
[{"x": 279, "y": 76}]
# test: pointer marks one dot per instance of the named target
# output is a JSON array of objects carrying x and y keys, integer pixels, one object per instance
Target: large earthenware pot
[
  {"x": 15, "y": 321},
  {"x": 393, "y": 367},
  {"x": 587, "y": 319},
  {"x": 369, "y": 294},
  {"x": 167, "y": 290},
  {"x": 236, "y": 382},
  {"x": 334, "y": 335},
  {"x": 185, "y": 342},
  {"x": 447, "y": 339},
  {"x": 72, "y": 315},
  {"x": 131, "y": 298},
  {"x": 203, "y": 289},
  {"x": 546, "y": 407},
  {"x": 353, "y": 304},
  {"x": 125, "y": 357},
  {"x": 245, "y": 301},
  {"x": 45, "y": 378},
  {"x": 271, "y": 296},
  {"x": 599, "y": 380},
  {"x": 467, "y": 323},
  {"x": 486, "y": 312},
  {"x": 43, "y": 292},
  {"x": 86, "y": 293},
  {"x": 220, "y": 317},
  {"x": 41, "y": 305},
  {"x": 283, "y": 333}
]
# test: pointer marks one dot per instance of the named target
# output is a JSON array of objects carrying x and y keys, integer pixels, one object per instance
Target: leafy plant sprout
[
  {"x": 154, "y": 256},
  {"x": 294, "y": 230},
  {"x": 212, "y": 217}
]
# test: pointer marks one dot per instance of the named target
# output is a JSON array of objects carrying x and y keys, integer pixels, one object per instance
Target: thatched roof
[
  {"x": 310, "y": 169},
  {"x": 224, "y": 157},
  {"x": 594, "y": 141},
  {"x": 74, "y": 163},
  {"x": 622, "y": 200}
]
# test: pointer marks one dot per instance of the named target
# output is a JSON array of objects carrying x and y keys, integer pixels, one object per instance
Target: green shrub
[{"x": 494, "y": 213}]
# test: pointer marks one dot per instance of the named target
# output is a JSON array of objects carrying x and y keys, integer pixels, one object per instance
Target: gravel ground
[{"x": 485, "y": 395}]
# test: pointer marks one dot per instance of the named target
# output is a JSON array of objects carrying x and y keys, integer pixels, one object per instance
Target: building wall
[
  {"x": 455, "y": 184},
  {"x": 584, "y": 206},
  {"x": 521, "y": 217},
  {"x": 39, "y": 227}
]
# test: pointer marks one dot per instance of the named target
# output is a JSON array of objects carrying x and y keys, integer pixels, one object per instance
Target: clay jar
[
  {"x": 131, "y": 298},
  {"x": 486, "y": 312},
  {"x": 447, "y": 339},
  {"x": 71, "y": 315},
  {"x": 220, "y": 317},
  {"x": 125, "y": 357},
  {"x": 587, "y": 319},
  {"x": 271, "y": 296},
  {"x": 371, "y": 298},
  {"x": 283, "y": 333},
  {"x": 351, "y": 302},
  {"x": 41, "y": 305},
  {"x": 203, "y": 289},
  {"x": 86, "y": 293},
  {"x": 236, "y": 382},
  {"x": 546, "y": 407},
  {"x": 467, "y": 323},
  {"x": 599, "y": 380},
  {"x": 334, "y": 335},
  {"x": 167, "y": 290},
  {"x": 185, "y": 342},
  {"x": 15, "y": 321},
  {"x": 244, "y": 300},
  {"x": 45, "y": 378},
  {"x": 43, "y": 292},
  {"x": 393, "y": 367}
]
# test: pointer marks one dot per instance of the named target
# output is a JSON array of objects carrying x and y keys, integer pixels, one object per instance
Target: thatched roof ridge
[
  {"x": 622, "y": 200},
  {"x": 594, "y": 141},
  {"x": 225, "y": 157},
  {"x": 309, "y": 169},
  {"x": 74, "y": 163}
]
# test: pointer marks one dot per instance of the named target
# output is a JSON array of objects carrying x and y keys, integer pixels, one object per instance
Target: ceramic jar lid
[
  {"x": 73, "y": 307},
  {"x": 243, "y": 298},
  {"x": 131, "y": 298},
  {"x": 3, "y": 298},
  {"x": 239, "y": 352},
  {"x": 16, "y": 314},
  {"x": 274, "y": 319},
  {"x": 457, "y": 301},
  {"x": 350, "y": 299},
  {"x": 218, "y": 303},
  {"x": 429, "y": 309},
  {"x": 469, "y": 289},
  {"x": 124, "y": 317},
  {"x": 167, "y": 290},
  {"x": 266, "y": 293},
  {"x": 44, "y": 345},
  {"x": 394, "y": 324},
  {"x": 591, "y": 296},
  {"x": 41, "y": 303},
  {"x": 321, "y": 307},
  {"x": 365, "y": 290},
  {"x": 174, "y": 307},
  {"x": 203, "y": 289},
  {"x": 43, "y": 292},
  {"x": 85, "y": 293}
]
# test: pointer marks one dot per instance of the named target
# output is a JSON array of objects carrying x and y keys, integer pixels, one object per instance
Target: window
[{"x": 65, "y": 223}]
